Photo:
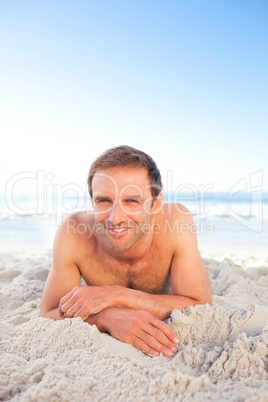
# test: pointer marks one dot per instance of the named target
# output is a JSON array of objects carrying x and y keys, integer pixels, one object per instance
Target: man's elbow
[
  {"x": 53, "y": 314},
  {"x": 45, "y": 313},
  {"x": 205, "y": 299}
]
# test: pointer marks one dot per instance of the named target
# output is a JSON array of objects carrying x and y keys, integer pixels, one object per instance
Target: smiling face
[{"x": 123, "y": 208}]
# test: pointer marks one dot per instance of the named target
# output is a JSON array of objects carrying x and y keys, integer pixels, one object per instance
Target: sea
[{"x": 218, "y": 216}]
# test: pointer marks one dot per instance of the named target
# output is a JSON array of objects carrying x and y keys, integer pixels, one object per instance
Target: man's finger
[
  {"x": 164, "y": 328},
  {"x": 67, "y": 301},
  {"x": 69, "y": 304},
  {"x": 65, "y": 298},
  {"x": 156, "y": 346},
  {"x": 86, "y": 309},
  {"x": 140, "y": 344},
  {"x": 147, "y": 317},
  {"x": 160, "y": 345},
  {"x": 80, "y": 308},
  {"x": 155, "y": 333},
  {"x": 72, "y": 310}
]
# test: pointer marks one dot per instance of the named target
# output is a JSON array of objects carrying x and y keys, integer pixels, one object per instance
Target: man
[{"x": 137, "y": 256}]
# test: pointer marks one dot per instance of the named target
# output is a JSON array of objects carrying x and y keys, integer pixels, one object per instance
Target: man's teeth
[{"x": 118, "y": 230}]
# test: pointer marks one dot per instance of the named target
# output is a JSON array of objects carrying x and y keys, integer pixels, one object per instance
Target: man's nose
[{"x": 117, "y": 215}]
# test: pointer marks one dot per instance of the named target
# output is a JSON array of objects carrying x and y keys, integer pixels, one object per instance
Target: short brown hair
[{"x": 127, "y": 156}]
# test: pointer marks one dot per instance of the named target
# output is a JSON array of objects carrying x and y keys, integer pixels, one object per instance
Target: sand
[{"x": 223, "y": 352}]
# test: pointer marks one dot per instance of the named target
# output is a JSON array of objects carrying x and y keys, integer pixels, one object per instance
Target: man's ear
[{"x": 158, "y": 202}]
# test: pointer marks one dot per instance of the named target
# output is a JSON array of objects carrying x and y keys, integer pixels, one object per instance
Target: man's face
[{"x": 122, "y": 203}]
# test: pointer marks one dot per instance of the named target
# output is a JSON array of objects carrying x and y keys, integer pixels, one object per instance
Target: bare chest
[{"x": 151, "y": 275}]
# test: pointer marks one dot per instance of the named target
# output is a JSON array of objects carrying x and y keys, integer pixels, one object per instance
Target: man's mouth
[{"x": 118, "y": 230}]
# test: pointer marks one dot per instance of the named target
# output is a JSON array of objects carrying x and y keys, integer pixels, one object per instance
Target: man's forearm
[
  {"x": 84, "y": 301},
  {"x": 159, "y": 305}
]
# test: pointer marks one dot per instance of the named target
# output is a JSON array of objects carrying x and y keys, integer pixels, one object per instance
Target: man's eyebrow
[
  {"x": 134, "y": 197},
  {"x": 101, "y": 197},
  {"x": 105, "y": 197}
]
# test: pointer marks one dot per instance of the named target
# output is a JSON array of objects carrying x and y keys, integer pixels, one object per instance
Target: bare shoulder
[
  {"x": 74, "y": 231},
  {"x": 178, "y": 225},
  {"x": 78, "y": 223},
  {"x": 177, "y": 215}
]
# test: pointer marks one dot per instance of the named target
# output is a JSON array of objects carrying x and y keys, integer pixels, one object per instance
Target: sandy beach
[{"x": 222, "y": 356}]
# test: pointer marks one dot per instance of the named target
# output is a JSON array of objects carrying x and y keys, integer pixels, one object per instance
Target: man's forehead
[
  {"x": 128, "y": 174},
  {"x": 121, "y": 178}
]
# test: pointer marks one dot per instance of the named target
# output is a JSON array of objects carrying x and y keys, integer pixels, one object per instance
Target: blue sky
[{"x": 185, "y": 81}]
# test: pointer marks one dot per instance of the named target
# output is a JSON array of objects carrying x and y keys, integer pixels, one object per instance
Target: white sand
[{"x": 223, "y": 354}]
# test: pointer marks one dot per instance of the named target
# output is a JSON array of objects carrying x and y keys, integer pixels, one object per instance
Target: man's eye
[
  {"x": 104, "y": 200},
  {"x": 131, "y": 200}
]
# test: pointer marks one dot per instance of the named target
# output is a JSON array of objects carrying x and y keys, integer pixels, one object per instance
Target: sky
[{"x": 184, "y": 81}]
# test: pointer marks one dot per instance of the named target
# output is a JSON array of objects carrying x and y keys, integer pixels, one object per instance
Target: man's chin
[
  {"x": 119, "y": 243},
  {"x": 119, "y": 247}
]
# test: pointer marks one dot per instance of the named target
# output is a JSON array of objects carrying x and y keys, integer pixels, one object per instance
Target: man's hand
[
  {"x": 83, "y": 301},
  {"x": 139, "y": 328}
]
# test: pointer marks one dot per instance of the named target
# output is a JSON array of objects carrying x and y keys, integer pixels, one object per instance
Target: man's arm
[{"x": 63, "y": 276}]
